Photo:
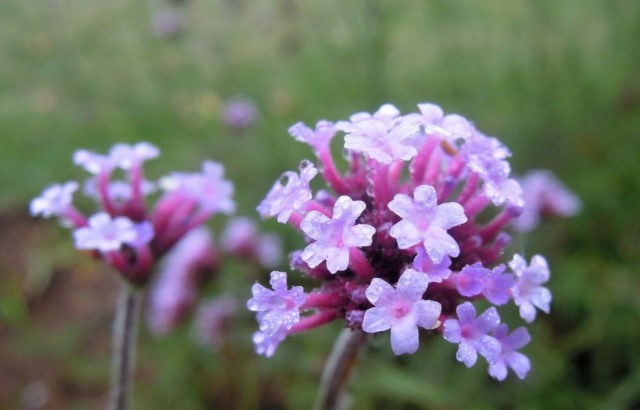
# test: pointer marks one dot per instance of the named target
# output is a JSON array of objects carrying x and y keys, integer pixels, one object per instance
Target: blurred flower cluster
[
  {"x": 164, "y": 245},
  {"x": 407, "y": 237}
]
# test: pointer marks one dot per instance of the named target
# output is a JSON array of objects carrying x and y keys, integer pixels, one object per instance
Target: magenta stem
[
  {"x": 359, "y": 264},
  {"x": 322, "y": 300},
  {"x": 331, "y": 174},
  {"x": 315, "y": 320}
]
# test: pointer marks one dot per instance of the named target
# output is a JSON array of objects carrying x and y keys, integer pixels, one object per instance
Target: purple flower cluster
[
  {"x": 406, "y": 238},
  {"x": 125, "y": 232}
]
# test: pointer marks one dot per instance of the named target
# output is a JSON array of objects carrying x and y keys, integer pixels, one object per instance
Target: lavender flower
[
  {"x": 106, "y": 234},
  {"x": 379, "y": 142},
  {"x": 335, "y": 237},
  {"x": 267, "y": 344},
  {"x": 239, "y": 113},
  {"x": 54, "y": 201},
  {"x": 425, "y": 222},
  {"x": 544, "y": 196},
  {"x": 401, "y": 309},
  {"x": 284, "y": 199},
  {"x": 470, "y": 281},
  {"x": 528, "y": 292},
  {"x": 400, "y": 234},
  {"x": 209, "y": 188},
  {"x": 278, "y": 308},
  {"x": 486, "y": 158},
  {"x": 509, "y": 357},
  {"x": 451, "y": 127},
  {"x": 435, "y": 272},
  {"x": 472, "y": 334},
  {"x": 319, "y": 139}
]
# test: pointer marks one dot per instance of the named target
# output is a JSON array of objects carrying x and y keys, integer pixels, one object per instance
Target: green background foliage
[{"x": 557, "y": 81}]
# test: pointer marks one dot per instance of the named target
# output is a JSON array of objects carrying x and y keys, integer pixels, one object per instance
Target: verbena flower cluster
[
  {"x": 406, "y": 238},
  {"x": 125, "y": 232}
]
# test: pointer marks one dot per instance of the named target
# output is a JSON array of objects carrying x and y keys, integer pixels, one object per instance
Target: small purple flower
[
  {"x": 528, "y": 292},
  {"x": 319, "y": 139},
  {"x": 472, "y": 334},
  {"x": 266, "y": 344},
  {"x": 402, "y": 310},
  {"x": 93, "y": 163},
  {"x": 239, "y": 113},
  {"x": 106, "y": 234},
  {"x": 54, "y": 200},
  {"x": 471, "y": 279},
  {"x": 278, "y": 309},
  {"x": 450, "y": 127},
  {"x": 120, "y": 191},
  {"x": 544, "y": 195},
  {"x": 283, "y": 199},
  {"x": 423, "y": 221},
  {"x": 436, "y": 272},
  {"x": 379, "y": 142},
  {"x": 486, "y": 157},
  {"x": 126, "y": 156},
  {"x": 334, "y": 237},
  {"x": 497, "y": 286},
  {"x": 509, "y": 357},
  {"x": 208, "y": 188},
  {"x": 387, "y": 113}
]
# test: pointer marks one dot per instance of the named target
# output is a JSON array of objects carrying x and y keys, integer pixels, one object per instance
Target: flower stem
[
  {"x": 338, "y": 368},
  {"x": 125, "y": 327}
]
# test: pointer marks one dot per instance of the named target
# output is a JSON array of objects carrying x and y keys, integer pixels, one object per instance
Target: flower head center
[{"x": 400, "y": 309}]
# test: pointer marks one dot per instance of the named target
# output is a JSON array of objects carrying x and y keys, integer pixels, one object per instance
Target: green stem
[
  {"x": 338, "y": 368},
  {"x": 125, "y": 326}
]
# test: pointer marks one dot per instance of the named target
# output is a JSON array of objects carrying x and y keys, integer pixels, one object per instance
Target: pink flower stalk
[
  {"x": 174, "y": 291},
  {"x": 125, "y": 232},
  {"x": 407, "y": 237}
]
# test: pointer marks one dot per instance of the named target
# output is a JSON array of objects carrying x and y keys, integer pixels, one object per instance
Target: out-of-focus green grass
[{"x": 558, "y": 82}]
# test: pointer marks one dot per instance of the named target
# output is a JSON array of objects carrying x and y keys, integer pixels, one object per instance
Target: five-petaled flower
[
  {"x": 401, "y": 309},
  {"x": 472, "y": 334},
  {"x": 509, "y": 357},
  {"x": 333, "y": 238},
  {"x": 528, "y": 292},
  {"x": 283, "y": 199},
  {"x": 425, "y": 222},
  {"x": 278, "y": 309}
]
